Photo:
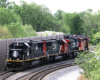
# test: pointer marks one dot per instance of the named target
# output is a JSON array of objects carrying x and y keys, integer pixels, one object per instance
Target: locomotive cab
[
  {"x": 17, "y": 50},
  {"x": 73, "y": 47},
  {"x": 74, "y": 42},
  {"x": 53, "y": 47},
  {"x": 17, "y": 53}
]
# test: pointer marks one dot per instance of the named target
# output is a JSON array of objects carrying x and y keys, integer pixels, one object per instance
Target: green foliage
[
  {"x": 74, "y": 23},
  {"x": 46, "y": 34},
  {"x": 76, "y": 27},
  {"x": 97, "y": 35},
  {"x": 90, "y": 63},
  {"x": 38, "y": 16},
  {"x": 8, "y": 16},
  {"x": 16, "y": 31},
  {"x": 3, "y": 3},
  {"x": 29, "y": 30},
  {"x": 96, "y": 38},
  {"x": 91, "y": 24},
  {"x": 59, "y": 14},
  {"x": 67, "y": 22},
  {"x": 21, "y": 31},
  {"x": 4, "y": 33},
  {"x": 59, "y": 18},
  {"x": 54, "y": 33}
]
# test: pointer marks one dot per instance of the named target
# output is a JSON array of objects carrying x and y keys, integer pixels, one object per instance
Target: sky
[{"x": 66, "y": 5}]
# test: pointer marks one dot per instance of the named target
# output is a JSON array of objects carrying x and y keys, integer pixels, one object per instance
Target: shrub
[
  {"x": 4, "y": 33},
  {"x": 90, "y": 63},
  {"x": 29, "y": 31}
]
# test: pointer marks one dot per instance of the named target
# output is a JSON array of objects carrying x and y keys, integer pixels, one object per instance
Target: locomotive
[
  {"x": 23, "y": 54},
  {"x": 77, "y": 44}
]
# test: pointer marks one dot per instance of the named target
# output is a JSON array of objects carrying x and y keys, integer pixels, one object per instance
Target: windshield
[{"x": 16, "y": 46}]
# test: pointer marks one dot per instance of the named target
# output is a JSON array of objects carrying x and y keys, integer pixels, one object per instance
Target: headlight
[{"x": 15, "y": 53}]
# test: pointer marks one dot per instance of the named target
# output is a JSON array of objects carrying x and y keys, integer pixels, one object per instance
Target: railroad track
[
  {"x": 40, "y": 73},
  {"x": 37, "y": 73},
  {"x": 6, "y": 74}
]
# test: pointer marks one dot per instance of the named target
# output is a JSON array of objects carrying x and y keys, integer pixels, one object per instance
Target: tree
[
  {"x": 74, "y": 23},
  {"x": 8, "y": 16},
  {"x": 3, "y": 3},
  {"x": 38, "y": 16},
  {"x": 67, "y": 22},
  {"x": 59, "y": 14},
  {"x": 6, "y": 4},
  {"x": 76, "y": 26},
  {"x": 91, "y": 23}
]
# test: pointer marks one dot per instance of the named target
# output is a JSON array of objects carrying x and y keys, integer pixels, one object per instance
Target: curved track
[
  {"x": 6, "y": 74},
  {"x": 40, "y": 73}
]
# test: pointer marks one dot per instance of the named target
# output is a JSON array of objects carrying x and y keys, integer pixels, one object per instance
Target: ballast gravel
[
  {"x": 69, "y": 73},
  {"x": 26, "y": 72}
]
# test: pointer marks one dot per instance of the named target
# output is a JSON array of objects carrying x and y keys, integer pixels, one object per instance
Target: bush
[
  {"x": 4, "y": 33},
  {"x": 16, "y": 31},
  {"x": 29, "y": 31},
  {"x": 90, "y": 63}
]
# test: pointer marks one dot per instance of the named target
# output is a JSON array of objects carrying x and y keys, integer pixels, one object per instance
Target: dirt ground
[{"x": 82, "y": 77}]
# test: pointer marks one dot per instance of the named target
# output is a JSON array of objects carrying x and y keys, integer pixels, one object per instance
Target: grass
[{"x": 82, "y": 77}]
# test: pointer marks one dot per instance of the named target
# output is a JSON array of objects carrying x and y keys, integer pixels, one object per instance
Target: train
[{"x": 23, "y": 54}]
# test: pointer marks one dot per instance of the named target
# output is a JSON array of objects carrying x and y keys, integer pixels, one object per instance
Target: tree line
[{"x": 14, "y": 19}]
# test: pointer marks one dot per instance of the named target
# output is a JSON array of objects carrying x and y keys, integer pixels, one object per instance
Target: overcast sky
[{"x": 66, "y": 5}]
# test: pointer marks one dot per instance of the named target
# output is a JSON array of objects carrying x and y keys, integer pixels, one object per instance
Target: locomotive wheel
[
  {"x": 53, "y": 58},
  {"x": 42, "y": 61},
  {"x": 64, "y": 56},
  {"x": 22, "y": 65},
  {"x": 50, "y": 59},
  {"x": 26, "y": 65},
  {"x": 30, "y": 64},
  {"x": 75, "y": 54}
]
